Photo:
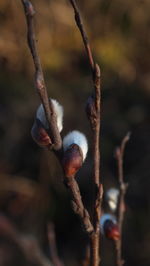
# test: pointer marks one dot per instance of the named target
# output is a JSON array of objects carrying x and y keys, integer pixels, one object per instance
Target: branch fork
[{"x": 91, "y": 225}]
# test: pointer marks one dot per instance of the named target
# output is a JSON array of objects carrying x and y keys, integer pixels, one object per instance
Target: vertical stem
[
  {"x": 80, "y": 25},
  {"x": 94, "y": 250},
  {"x": 95, "y": 238},
  {"x": 95, "y": 123},
  {"x": 121, "y": 205},
  {"x": 119, "y": 261}
]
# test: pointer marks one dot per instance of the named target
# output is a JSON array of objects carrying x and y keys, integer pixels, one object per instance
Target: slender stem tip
[{"x": 29, "y": 9}]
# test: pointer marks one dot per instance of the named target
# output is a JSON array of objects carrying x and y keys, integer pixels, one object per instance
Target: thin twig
[
  {"x": 121, "y": 204},
  {"x": 52, "y": 246},
  {"x": 77, "y": 204},
  {"x": 41, "y": 88},
  {"x": 95, "y": 124},
  {"x": 39, "y": 77},
  {"x": 96, "y": 133},
  {"x": 80, "y": 25}
]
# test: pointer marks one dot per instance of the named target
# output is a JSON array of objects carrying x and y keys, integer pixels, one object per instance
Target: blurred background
[{"x": 31, "y": 189}]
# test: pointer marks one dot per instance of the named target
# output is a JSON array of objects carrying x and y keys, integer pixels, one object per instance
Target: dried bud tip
[
  {"x": 112, "y": 198},
  {"x": 76, "y": 137},
  {"x": 109, "y": 227},
  {"x": 28, "y": 8},
  {"x": 58, "y": 109},
  {"x": 97, "y": 70},
  {"x": 90, "y": 107}
]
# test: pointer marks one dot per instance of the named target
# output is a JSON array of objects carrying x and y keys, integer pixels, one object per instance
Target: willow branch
[
  {"x": 80, "y": 25},
  {"x": 121, "y": 204},
  {"x": 77, "y": 204},
  {"x": 94, "y": 117},
  {"x": 39, "y": 77},
  {"x": 41, "y": 88}
]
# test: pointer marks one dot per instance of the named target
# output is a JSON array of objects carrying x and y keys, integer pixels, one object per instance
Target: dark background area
[{"x": 31, "y": 188}]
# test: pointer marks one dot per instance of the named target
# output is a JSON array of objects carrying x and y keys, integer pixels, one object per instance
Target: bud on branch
[
  {"x": 75, "y": 150},
  {"x": 112, "y": 198},
  {"x": 40, "y": 128},
  {"x": 109, "y": 227}
]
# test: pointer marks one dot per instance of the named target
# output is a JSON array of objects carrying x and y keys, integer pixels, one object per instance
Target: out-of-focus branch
[
  {"x": 27, "y": 244},
  {"x": 86, "y": 261},
  {"x": 39, "y": 77},
  {"x": 94, "y": 117},
  {"x": 119, "y": 154},
  {"x": 52, "y": 246}
]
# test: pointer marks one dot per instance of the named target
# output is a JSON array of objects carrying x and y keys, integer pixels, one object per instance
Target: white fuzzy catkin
[
  {"x": 78, "y": 138},
  {"x": 104, "y": 218},
  {"x": 112, "y": 198},
  {"x": 40, "y": 114}
]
